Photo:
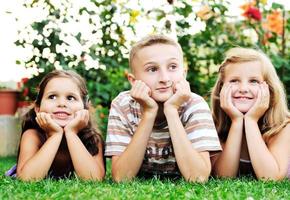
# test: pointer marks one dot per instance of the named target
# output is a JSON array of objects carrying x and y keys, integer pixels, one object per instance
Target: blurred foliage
[{"x": 104, "y": 64}]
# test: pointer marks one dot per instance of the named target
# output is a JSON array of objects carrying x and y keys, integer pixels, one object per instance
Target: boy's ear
[{"x": 131, "y": 78}]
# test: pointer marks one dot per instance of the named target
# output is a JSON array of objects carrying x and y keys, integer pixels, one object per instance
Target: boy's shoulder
[
  {"x": 123, "y": 98},
  {"x": 195, "y": 99},
  {"x": 196, "y": 102},
  {"x": 196, "y": 96}
]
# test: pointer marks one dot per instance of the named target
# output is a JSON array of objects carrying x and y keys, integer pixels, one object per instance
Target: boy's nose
[{"x": 164, "y": 76}]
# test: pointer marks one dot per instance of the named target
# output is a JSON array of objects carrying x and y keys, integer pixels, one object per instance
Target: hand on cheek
[
  {"x": 181, "y": 94},
  {"x": 226, "y": 102},
  {"x": 142, "y": 94},
  {"x": 80, "y": 121},
  {"x": 45, "y": 122},
  {"x": 262, "y": 103}
]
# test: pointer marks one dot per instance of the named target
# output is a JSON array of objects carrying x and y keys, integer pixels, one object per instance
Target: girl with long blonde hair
[{"x": 251, "y": 116}]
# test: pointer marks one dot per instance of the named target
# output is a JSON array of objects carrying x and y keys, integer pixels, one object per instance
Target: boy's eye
[
  {"x": 52, "y": 96},
  {"x": 173, "y": 66},
  {"x": 152, "y": 69},
  {"x": 71, "y": 98}
]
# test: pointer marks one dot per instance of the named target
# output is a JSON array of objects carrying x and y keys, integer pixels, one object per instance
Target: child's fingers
[
  {"x": 224, "y": 95},
  {"x": 139, "y": 89},
  {"x": 265, "y": 94},
  {"x": 40, "y": 119},
  {"x": 83, "y": 114},
  {"x": 182, "y": 86}
]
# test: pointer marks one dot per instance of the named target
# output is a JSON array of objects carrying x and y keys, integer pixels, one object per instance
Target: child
[
  {"x": 57, "y": 135},
  {"x": 159, "y": 127},
  {"x": 251, "y": 116}
]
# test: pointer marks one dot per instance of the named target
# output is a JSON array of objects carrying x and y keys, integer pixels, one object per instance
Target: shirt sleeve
[
  {"x": 118, "y": 132},
  {"x": 200, "y": 127}
]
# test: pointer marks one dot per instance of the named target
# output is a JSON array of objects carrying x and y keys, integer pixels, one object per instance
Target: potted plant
[{"x": 8, "y": 100}]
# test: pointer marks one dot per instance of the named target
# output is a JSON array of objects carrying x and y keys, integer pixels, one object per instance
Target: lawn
[{"x": 246, "y": 188}]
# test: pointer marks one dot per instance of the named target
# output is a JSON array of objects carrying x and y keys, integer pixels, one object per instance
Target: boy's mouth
[{"x": 164, "y": 89}]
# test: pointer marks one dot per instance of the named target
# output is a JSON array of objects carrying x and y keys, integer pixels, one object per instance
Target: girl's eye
[
  {"x": 255, "y": 81},
  {"x": 71, "y": 98},
  {"x": 234, "y": 81},
  {"x": 52, "y": 96}
]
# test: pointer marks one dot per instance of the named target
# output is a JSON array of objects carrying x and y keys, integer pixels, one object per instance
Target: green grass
[{"x": 245, "y": 188}]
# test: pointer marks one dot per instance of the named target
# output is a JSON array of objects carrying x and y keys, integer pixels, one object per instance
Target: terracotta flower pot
[{"x": 8, "y": 102}]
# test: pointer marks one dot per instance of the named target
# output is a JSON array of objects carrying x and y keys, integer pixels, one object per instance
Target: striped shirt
[{"x": 159, "y": 159}]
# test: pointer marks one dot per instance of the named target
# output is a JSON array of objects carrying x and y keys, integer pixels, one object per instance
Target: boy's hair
[
  {"x": 276, "y": 116},
  {"x": 89, "y": 135},
  {"x": 150, "y": 41}
]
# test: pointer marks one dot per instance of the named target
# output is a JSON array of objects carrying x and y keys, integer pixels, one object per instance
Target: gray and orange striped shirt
[{"x": 159, "y": 159}]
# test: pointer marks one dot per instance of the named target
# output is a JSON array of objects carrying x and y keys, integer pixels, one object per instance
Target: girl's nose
[
  {"x": 61, "y": 102},
  {"x": 243, "y": 87}
]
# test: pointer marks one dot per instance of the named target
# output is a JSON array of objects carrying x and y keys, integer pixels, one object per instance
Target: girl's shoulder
[
  {"x": 282, "y": 135},
  {"x": 32, "y": 135}
]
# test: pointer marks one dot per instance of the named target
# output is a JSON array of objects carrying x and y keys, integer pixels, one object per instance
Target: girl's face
[
  {"x": 61, "y": 99},
  {"x": 245, "y": 79}
]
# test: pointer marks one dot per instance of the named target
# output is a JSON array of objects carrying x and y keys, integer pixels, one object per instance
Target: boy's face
[{"x": 159, "y": 66}]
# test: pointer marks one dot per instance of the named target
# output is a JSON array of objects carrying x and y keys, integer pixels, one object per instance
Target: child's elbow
[
  {"x": 198, "y": 178},
  {"x": 277, "y": 177},
  {"x": 118, "y": 178},
  {"x": 26, "y": 178},
  {"x": 97, "y": 176}
]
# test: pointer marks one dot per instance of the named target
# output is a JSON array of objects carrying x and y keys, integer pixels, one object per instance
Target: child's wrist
[
  {"x": 170, "y": 110},
  {"x": 250, "y": 119},
  {"x": 70, "y": 131},
  {"x": 238, "y": 119},
  {"x": 150, "y": 113},
  {"x": 49, "y": 134}
]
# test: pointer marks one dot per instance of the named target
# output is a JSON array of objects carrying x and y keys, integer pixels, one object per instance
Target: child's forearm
[
  {"x": 265, "y": 164},
  {"x": 227, "y": 164},
  {"x": 194, "y": 166},
  {"x": 127, "y": 165},
  {"x": 37, "y": 167},
  {"x": 86, "y": 166}
]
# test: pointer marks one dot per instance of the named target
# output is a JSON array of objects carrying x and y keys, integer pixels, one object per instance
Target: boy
[{"x": 159, "y": 127}]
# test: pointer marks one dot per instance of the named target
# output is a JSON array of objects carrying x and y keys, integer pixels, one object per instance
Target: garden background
[{"x": 94, "y": 38}]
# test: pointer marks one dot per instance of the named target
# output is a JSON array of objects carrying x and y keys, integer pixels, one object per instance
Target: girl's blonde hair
[{"x": 277, "y": 115}]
